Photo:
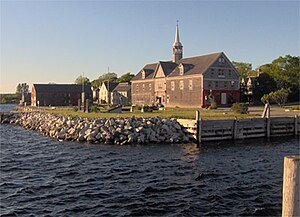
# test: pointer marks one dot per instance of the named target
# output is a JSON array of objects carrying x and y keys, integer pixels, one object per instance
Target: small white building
[{"x": 106, "y": 90}]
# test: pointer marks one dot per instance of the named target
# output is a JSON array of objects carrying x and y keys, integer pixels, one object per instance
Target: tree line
[
  {"x": 109, "y": 76},
  {"x": 278, "y": 81}
]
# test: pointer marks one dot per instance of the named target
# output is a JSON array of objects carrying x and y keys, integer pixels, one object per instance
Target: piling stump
[{"x": 290, "y": 194}]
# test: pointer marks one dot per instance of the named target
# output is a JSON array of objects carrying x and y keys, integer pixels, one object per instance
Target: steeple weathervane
[{"x": 177, "y": 46}]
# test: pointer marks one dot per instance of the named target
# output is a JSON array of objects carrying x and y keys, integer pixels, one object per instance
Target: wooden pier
[{"x": 214, "y": 130}]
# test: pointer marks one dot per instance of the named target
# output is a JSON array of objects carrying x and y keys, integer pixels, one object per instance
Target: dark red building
[{"x": 59, "y": 94}]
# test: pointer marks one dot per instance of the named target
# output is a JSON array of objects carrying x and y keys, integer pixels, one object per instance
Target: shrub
[
  {"x": 147, "y": 108},
  {"x": 213, "y": 105},
  {"x": 239, "y": 108},
  {"x": 266, "y": 98},
  {"x": 75, "y": 109},
  {"x": 95, "y": 109},
  {"x": 279, "y": 96}
]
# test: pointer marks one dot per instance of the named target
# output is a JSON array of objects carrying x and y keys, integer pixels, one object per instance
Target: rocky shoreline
[{"x": 119, "y": 131}]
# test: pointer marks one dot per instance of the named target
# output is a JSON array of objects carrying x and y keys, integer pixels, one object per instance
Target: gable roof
[
  {"x": 110, "y": 85},
  {"x": 196, "y": 65},
  {"x": 149, "y": 70},
  {"x": 124, "y": 86},
  {"x": 167, "y": 67},
  {"x": 58, "y": 88}
]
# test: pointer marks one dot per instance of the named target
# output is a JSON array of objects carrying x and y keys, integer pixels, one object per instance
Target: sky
[{"x": 56, "y": 41}]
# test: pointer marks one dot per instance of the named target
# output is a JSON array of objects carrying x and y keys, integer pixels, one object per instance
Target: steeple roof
[{"x": 177, "y": 41}]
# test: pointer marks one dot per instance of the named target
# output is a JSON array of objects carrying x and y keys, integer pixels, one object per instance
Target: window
[
  {"x": 221, "y": 60},
  {"x": 137, "y": 88},
  {"x": 143, "y": 87},
  {"x": 150, "y": 87},
  {"x": 217, "y": 84},
  {"x": 160, "y": 85},
  {"x": 168, "y": 98},
  {"x": 221, "y": 73},
  {"x": 181, "y": 69},
  {"x": 190, "y": 84},
  {"x": 225, "y": 84},
  {"x": 209, "y": 84},
  {"x": 232, "y": 84},
  {"x": 143, "y": 75},
  {"x": 181, "y": 86},
  {"x": 172, "y": 85}
]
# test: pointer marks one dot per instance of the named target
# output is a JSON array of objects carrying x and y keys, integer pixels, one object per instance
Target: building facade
[
  {"x": 121, "y": 95},
  {"x": 106, "y": 91},
  {"x": 59, "y": 94},
  {"x": 187, "y": 82}
]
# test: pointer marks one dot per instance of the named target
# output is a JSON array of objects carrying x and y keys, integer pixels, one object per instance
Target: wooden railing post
[
  {"x": 268, "y": 112},
  {"x": 234, "y": 129},
  {"x": 296, "y": 125},
  {"x": 290, "y": 192},
  {"x": 198, "y": 123}
]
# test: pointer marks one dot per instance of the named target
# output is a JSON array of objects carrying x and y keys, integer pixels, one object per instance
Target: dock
[{"x": 234, "y": 129}]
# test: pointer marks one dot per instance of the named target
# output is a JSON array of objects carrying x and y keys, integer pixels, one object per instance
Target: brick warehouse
[
  {"x": 187, "y": 82},
  {"x": 59, "y": 94}
]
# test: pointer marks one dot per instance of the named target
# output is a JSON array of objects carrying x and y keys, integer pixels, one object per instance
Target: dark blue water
[{"x": 44, "y": 177}]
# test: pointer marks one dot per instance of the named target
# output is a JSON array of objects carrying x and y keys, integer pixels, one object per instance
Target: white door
[{"x": 223, "y": 99}]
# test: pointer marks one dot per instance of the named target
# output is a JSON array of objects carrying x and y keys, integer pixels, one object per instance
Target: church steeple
[{"x": 177, "y": 47}]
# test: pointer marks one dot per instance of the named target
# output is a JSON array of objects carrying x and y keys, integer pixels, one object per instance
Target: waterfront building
[
  {"x": 59, "y": 94},
  {"x": 187, "y": 82},
  {"x": 121, "y": 94}
]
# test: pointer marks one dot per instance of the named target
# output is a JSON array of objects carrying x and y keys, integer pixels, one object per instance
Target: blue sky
[{"x": 56, "y": 41}]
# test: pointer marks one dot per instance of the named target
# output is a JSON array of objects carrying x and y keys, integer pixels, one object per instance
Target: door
[{"x": 223, "y": 99}]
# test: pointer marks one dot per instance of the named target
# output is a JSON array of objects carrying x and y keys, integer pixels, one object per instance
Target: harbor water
[{"x": 44, "y": 177}]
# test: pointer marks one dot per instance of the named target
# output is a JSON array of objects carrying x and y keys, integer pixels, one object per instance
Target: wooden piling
[
  {"x": 198, "y": 123},
  {"x": 290, "y": 194}
]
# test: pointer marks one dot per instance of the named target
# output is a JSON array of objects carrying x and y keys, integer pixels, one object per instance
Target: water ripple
[{"x": 43, "y": 177}]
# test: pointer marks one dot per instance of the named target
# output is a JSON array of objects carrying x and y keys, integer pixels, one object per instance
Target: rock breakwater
[{"x": 118, "y": 131}]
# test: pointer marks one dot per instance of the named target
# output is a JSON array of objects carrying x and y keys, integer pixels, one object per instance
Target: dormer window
[
  {"x": 221, "y": 60},
  {"x": 143, "y": 74},
  {"x": 181, "y": 69}
]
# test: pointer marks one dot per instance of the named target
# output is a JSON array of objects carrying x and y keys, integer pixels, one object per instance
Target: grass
[
  {"x": 295, "y": 107},
  {"x": 184, "y": 113}
]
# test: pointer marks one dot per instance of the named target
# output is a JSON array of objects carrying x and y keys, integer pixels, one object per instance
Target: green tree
[
  {"x": 109, "y": 76},
  {"x": 264, "y": 84},
  {"x": 96, "y": 83},
  {"x": 243, "y": 68},
  {"x": 22, "y": 88},
  {"x": 286, "y": 73},
  {"x": 279, "y": 96},
  {"x": 125, "y": 77},
  {"x": 81, "y": 79}
]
